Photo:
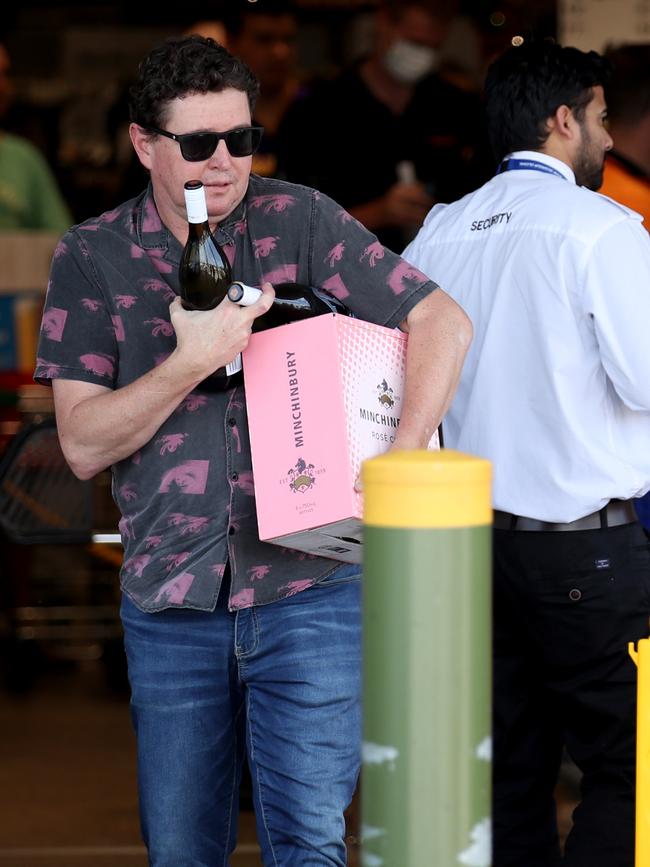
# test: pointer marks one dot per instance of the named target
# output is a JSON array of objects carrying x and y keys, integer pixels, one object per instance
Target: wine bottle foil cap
[
  {"x": 197, "y": 209},
  {"x": 243, "y": 294}
]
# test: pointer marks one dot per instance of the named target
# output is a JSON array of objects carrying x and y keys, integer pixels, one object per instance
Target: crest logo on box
[
  {"x": 302, "y": 476},
  {"x": 386, "y": 416},
  {"x": 385, "y": 394}
]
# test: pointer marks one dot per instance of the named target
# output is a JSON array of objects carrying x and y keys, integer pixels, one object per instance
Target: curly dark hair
[
  {"x": 527, "y": 84},
  {"x": 184, "y": 65}
]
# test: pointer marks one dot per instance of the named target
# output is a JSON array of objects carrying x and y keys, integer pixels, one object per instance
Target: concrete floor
[
  {"x": 68, "y": 793},
  {"x": 67, "y": 778}
]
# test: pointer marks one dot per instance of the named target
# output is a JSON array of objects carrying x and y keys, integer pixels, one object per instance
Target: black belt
[{"x": 615, "y": 513}]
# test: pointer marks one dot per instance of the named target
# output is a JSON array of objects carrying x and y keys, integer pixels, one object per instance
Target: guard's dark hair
[
  {"x": 184, "y": 65},
  {"x": 528, "y": 83},
  {"x": 628, "y": 91}
]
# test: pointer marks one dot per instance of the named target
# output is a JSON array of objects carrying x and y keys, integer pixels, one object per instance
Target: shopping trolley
[{"x": 58, "y": 590}]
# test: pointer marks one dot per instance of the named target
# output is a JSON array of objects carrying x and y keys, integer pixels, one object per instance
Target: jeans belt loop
[{"x": 614, "y": 514}]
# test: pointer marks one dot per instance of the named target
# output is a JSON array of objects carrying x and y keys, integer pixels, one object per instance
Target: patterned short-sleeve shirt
[{"x": 186, "y": 498}]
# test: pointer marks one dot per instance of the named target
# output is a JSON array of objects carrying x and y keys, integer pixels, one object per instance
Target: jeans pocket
[{"x": 346, "y": 572}]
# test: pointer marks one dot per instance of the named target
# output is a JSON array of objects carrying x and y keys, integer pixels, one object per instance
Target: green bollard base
[{"x": 425, "y": 790}]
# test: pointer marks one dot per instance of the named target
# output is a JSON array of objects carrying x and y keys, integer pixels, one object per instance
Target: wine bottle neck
[
  {"x": 198, "y": 230},
  {"x": 196, "y": 206},
  {"x": 195, "y": 221}
]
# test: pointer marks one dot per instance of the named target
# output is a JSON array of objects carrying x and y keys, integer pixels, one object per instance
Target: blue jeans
[{"x": 281, "y": 682}]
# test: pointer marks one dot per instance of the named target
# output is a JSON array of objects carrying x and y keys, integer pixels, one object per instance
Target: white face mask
[{"x": 408, "y": 62}]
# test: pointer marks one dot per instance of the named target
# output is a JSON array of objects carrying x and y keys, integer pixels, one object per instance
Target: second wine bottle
[{"x": 292, "y": 302}]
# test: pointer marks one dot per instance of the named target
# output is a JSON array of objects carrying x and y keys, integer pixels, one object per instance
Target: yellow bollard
[
  {"x": 641, "y": 657},
  {"x": 427, "y": 603}
]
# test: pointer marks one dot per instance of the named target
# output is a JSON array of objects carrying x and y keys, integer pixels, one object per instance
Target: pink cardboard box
[{"x": 322, "y": 395}]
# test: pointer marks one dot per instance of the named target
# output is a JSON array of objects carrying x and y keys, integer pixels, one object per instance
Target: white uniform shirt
[{"x": 556, "y": 386}]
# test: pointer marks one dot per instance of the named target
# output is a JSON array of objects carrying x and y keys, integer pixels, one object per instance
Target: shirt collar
[
  {"x": 540, "y": 157},
  {"x": 152, "y": 232}
]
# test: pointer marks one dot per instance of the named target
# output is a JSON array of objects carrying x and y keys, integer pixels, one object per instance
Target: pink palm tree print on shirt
[
  {"x": 100, "y": 364},
  {"x": 402, "y": 275},
  {"x": 243, "y": 599},
  {"x": 298, "y": 586},
  {"x": 160, "y": 326},
  {"x": 191, "y": 524},
  {"x": 373, "y": 252},
  {"x": 170, "y": 442},
  {"x": 50, "y": 369},
  {"x": 176, "y": 589},
  {"x": 335, "y": 254},
  {"x": 263, "y": 246},
  {"x": 273, "y": 202},
  {"x": 54, "y": 323},
  {"x": 190, "y": 478},
  {"x": 137, "y": 564},
  {"x": 172, "y": 561},
  {"x": 128, "y": 492},
  {"x": 192, "y": 403},
  {"x": 335, "y": 286},
  {"x": 125, "y": 301},
  {"x": 91, "y": 304}
]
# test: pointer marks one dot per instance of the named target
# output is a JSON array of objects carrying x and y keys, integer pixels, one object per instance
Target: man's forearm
[
  {"x": 97, "y": 430},
  {"x": 99, "y": 426},
  {"x": 439, "y": 336}
]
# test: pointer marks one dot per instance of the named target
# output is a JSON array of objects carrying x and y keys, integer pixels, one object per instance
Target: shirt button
[
  {"x": 234, "y": 476},
  {"x": 575, "y": 595},
  {"x": 231, "y": 531},
  {"x": 232, "y": 422}
]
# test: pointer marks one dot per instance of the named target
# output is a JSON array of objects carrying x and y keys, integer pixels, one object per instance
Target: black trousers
[{"x": 566, "y": 604}]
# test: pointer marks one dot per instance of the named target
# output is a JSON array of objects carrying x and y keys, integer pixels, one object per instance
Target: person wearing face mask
[{"x": 388, "y": 136}]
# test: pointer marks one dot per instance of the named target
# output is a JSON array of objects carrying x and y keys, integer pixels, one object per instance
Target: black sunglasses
[{"x": 196, "y": 146}]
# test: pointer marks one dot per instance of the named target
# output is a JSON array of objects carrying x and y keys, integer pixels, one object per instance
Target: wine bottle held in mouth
[
  {"x": 204, "y": 275},
  {"x": 292, "y": 302}
]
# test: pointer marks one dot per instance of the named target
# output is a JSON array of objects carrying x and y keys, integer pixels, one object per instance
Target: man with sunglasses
[{"x": 234, "y": 646}]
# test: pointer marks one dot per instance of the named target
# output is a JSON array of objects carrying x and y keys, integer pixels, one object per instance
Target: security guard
[{"x": 556, "y": 393}]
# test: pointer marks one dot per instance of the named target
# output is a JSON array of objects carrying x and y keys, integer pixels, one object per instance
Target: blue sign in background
[{"x": 8, "y": 347}]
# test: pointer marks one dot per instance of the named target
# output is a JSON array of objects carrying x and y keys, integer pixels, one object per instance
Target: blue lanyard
[{"x": 514, "y": 164}]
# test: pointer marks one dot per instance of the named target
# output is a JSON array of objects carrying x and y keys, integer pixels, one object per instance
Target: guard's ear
[
  {"x": 563, "y": 123},
  {"x": 142, "y": 143}
]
